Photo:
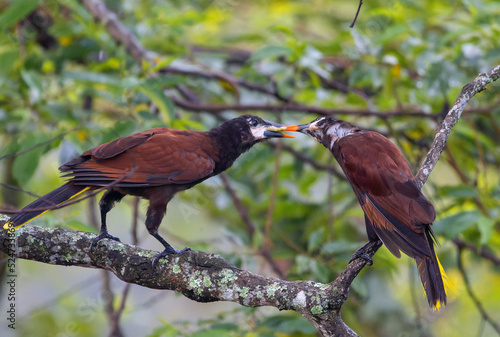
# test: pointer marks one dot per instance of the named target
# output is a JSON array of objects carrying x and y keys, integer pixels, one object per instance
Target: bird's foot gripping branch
[
  {"x": 197, "y": 275},
  {"x": 396, "y": 211},
  {"x": 154, "y": 164}
]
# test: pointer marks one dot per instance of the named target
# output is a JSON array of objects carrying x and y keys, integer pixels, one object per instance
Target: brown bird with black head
[
  {"x": 396, "y": 211},
  {"x": 153, "y": 164}
]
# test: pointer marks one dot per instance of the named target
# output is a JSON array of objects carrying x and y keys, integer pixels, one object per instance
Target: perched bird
[
  {"x": 396, "y": 211},
  {"x": 153, "y": 164}
]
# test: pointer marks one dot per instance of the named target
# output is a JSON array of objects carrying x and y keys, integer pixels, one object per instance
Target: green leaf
[
  {"x": 224, "y": 326},
  {"x": 391, "y": 33},
  {"x": 270, "y": 52},
  {"x": 212, "y": 333},
  {"x": 455, "y": 224},
  {"x": 26, "y": 163},
  {"x": 339, "y": 247},
  {"x": 147, "y": 115},
  {"x": 288, "y": 324},
  {"x": 460, "y": 191},
  {"x": 34, "y": 83},
  {"x": 79, "y": 226},
  {"x": 162, "y": 101},
  {"x": 486, "y": 228},
  {"x": 7, "y": 60},
  {"x": 100, "y": 78},
  {"x": 163, "y": 81},
  {"x": 257, "y": 239},
  {"x": 167, "y": 330},
  {"x": 316, "y": 239},
  {"x": 154, "y": 89},
  {"x": 15, "y": 12},
  {"x": 121, "y": 128}
]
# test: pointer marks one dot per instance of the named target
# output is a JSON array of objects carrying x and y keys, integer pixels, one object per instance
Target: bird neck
[
  {"x": 230, "y": 146},
  {"x": 337, "y": 131}
]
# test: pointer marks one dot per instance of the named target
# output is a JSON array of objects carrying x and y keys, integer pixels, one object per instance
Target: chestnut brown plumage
[
  {"x": 153, "y": 164},
  {"x": 396, "y": 211}
]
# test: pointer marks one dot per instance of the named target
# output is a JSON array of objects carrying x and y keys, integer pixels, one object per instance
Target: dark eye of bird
[{"x": 253, "y": 122}]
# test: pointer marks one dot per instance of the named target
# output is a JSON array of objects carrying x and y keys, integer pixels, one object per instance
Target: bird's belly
[{"x": 162, "y": 191}]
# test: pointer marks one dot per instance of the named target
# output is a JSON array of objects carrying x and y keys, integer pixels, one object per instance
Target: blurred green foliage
[{"x": 66, "y": 86}]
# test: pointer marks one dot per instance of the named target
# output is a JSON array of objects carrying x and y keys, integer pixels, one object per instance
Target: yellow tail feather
[
  {"x": 8, "y": 225},
  {"x": 446, "y": 285}
]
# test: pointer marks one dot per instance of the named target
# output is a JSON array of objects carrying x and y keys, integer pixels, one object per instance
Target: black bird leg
[
  {"x": 373, "y": 240},
  {"x": 106, "y": 204},
  {"x": 153, "y": 219},
  {"x": 168, "y": 248}
]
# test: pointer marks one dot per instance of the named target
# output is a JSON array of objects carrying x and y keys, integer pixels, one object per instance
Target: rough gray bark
[
  {"x": 444, "y": 129},
  {"x": 206, "y": 277},
  {"x": 197, "y": 275}
]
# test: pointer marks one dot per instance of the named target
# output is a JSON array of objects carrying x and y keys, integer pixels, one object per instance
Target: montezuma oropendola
[
  {"x": 396, "y": 211},
  {"x": 153, "y": 164}
]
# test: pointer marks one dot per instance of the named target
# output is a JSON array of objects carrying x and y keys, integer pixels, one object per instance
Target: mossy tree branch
[
  {"x": 206, "y": 277},
  {"x": 197, "y": 275}
]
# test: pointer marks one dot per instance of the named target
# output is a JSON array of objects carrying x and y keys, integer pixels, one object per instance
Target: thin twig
[
  {"x": 109, "y": 300},
  {"x": 115, "y": 317},
  {"x": 443, "y": 131},
  {"x": 484, "y": 252},
  {"x": 414, "y": 300},
  {"x": 59, "y": 297},
  {"x": 473, "y": 296},
  {"x": 115, "y": 314},
  {"x": 492, "y": 120},
  {"x": 135, "y": 220},
  {"x": 116, "y": 29},
  {"x": 306, "y": 159},
  {"x": 74, "y": 201},
  {"x": 465, "y": 180},
  {"x": 17, "y": 188},
  {"x": 290, "y": 243},
  {"x": 272, "y": 198},
  {"x": 480, "y": 152},
  {"x": 31, "y": 148},
  {"x": 356, "y": 15},
  {"x": 242, "y": 211},
  {"x": 295, "y": 107},
  {"x": 331, "y": 215},
  {"x": 319, "y": 303}
]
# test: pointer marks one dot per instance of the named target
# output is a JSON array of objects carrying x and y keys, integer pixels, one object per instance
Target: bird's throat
[{"x": 337, "y": 131}]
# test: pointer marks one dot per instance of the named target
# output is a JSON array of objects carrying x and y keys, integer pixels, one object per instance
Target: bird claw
[
  {"x": 168, "y": 252},
  {"x": 360, "y": 254},
  {"x": 101, "y": 236}
]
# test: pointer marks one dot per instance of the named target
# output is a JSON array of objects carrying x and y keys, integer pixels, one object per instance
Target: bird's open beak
[
  {"x": 310, "y": 129},
  {"x": 276, "y": 130},
  {"x": 301, "y": 127}
]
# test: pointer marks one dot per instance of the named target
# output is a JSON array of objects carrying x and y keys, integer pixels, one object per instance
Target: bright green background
[{"x": 409, "y": 56}]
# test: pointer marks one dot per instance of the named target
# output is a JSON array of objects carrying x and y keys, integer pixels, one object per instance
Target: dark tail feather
[
  {"x": 45, "y": 203},
  {"x": 432, "y": 276}
]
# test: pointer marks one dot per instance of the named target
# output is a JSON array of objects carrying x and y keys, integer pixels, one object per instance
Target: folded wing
[{"x": 150, "y": 158}]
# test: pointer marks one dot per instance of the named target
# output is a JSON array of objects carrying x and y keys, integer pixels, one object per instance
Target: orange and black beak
[
  {"x": 275, "y": 130},
  {"x": 310, "y": 129},
  {"x": 298, "y": 128}
]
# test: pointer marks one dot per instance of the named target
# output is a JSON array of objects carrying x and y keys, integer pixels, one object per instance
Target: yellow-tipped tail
[{"x": 56, "y": 197}]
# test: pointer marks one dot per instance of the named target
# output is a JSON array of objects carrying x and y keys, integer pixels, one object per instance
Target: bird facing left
[{"x": 153, "y": 164}]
